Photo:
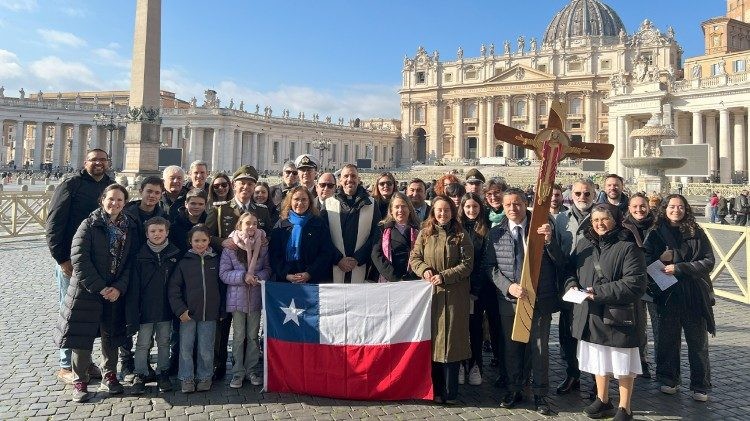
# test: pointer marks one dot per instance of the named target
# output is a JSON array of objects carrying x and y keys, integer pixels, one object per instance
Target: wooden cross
[{"x": 551, "y": 146}]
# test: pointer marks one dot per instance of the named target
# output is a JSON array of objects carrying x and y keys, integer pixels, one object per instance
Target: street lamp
[
  {"x": 322, "y": 145},
  {"x": 111, "y": 121}
]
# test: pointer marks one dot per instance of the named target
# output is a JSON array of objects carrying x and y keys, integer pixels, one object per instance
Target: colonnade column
[
  {"x": 18, "y": 141},
  {"x": 255, "y": 147},
  {"x": 711, "y": 140},
  {"x": 739, "y": 142},
  {"x": 76, "y": 160},
  {"x": 697, "y": 128},
  {"x": 237, "y": 156},
  {"x": 532, "y": 125},
  {"x": 490, "y": 140},
  {"x": 725, "y": 164},
  {"x": 458, "y": 126},
  {"x": 39, "y": 145},
  {"x": 57, "y": 146},
  {"x": 507, "y": 148}
]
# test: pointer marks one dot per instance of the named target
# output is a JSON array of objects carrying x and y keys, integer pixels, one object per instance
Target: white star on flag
[{"x": 292, "y": 313}]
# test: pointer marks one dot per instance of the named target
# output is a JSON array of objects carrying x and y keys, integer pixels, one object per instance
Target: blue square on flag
[{"x": 292, "y": 312}]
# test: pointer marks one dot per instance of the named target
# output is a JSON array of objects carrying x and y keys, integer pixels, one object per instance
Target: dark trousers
[
  {"x": 516, "y": 358},
  {"x": 445, "y": 379},
  {"x": 221, "y": 350},
  {"x": 126, "y": 353},
  {"x": 672, "y": 321},
  {"x": 539, "y": 350},
  {"x": 653, "y": 316},
  {"x": 568, "y": 344},
  {"x": 485, "y": 304},
  {"x": 741, "y": 219}
]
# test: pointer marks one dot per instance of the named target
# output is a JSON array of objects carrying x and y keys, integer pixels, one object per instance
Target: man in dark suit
[{"x": 417, "y": 192}]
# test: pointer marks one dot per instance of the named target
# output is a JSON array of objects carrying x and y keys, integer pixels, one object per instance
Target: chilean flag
[{"x": 350, "y": 341}]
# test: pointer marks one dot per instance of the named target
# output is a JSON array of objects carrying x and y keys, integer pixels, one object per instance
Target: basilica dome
[{"x": 583, "y": 18}]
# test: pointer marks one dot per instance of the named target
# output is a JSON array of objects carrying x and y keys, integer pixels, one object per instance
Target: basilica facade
[{"x": 449, "y": 107}]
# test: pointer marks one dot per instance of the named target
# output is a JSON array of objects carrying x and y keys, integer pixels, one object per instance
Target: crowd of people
[{"x": 180, "y": 268}]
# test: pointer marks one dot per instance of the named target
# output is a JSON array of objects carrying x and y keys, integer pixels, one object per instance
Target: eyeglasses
[
  {"x": 221, "y": 185},
  {"x": 494, "y": 194},
  {"x": 289, "y": 172},
  {"x": 326, "y": 185},
  {"x": 385, "y": 184},
  {"x": 98, "y": 160},
  {"x": 584, "y": 193}
]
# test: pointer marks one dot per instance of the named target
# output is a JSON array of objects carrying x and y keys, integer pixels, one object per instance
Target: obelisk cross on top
[{"x": 551, "y": 145}]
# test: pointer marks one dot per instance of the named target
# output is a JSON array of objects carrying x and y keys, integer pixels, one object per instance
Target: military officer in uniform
[
  {"x": 221, "y": 221},
  {"x": 223, "y": 216},
  {"x": 307, "y": 170}
]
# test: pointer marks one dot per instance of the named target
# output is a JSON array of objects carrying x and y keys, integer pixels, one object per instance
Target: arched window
[
  {"x": 575, "y": 106},
  {"x": 520, "y": 108},
  {"x": 471, "y": 110},
  {"x": 542, "y": 108}
]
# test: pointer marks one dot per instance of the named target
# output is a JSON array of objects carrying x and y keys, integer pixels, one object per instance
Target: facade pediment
[{"x": 520, "y": 73}]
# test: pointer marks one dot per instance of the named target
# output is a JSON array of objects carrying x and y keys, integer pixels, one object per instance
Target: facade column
[
  {"x": 532, "y": 125},
  {"x": 592, "y": 117},
  {"x": 620, "y": 144},
  {"x": 629, "y": 148},
  {"x": 489, "y": 146},
  {"x": 458, "y": 128},
  {"x": 18, "y": 141},
  {"x": 697, "y": 128},
  {"x": 740, "y": 147},
  {"x": 481, "y": 124},
  {"x": 725, "y": 163},
  {"x": 57, "y": 147},
  {"x": 507, "y": 148},
  {"x": 38, "y": 145},
  {"x": 434, "y": 128},
  {"x": 711, "y": 137}
]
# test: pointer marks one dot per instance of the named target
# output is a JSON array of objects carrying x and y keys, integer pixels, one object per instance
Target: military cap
[
  {"x": 305, "y": 161},
  {"x": 246, "y": 172},
  {"x": 474, "y": 175}
]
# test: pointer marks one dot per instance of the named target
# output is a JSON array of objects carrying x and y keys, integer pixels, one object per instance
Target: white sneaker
[
  {"x": 255, "y": 379},
  {"x": 236, "y": 382},
  {"x": 461, "y": 374},
  {"x": 669, "y": 390},
  {"x": 475, "y": 376},
  {"x": 700, "y": 397}
]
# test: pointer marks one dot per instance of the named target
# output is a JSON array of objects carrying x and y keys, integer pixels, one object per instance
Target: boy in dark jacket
[
  {"x": 149, "y": 310},
  {"x": 195, "y": 298}
]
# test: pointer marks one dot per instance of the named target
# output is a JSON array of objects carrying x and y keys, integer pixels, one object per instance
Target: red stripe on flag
[{"x": 362, "y": 372}]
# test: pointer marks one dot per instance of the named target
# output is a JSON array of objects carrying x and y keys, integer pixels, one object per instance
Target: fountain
[{"x": 651, "y": 164}]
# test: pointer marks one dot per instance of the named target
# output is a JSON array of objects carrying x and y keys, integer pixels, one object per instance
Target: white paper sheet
[
  {"x": 575, "y": 295},
  {"x": 663, "y": 280}
]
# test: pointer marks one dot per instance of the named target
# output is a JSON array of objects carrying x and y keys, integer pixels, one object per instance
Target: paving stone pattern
[{"x": 29, "y": 389}]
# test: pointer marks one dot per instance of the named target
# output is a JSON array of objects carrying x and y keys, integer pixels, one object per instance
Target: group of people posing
[{"x": 181, "y": 267}]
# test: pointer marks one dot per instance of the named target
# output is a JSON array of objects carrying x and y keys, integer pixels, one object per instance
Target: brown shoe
[
  {"x": 94, "y": 372},
  {"x": 66, "y": 375}
]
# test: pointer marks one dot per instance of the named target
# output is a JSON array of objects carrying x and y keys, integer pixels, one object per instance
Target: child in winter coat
[
  {"x": 241, "y": 270},
  {"x": 194, "y": 297},
  {"x": 150, "y": 312}
]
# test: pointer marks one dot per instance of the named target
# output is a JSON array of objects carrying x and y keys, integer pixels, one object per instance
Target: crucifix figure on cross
[{"x": 551, "y": 145}]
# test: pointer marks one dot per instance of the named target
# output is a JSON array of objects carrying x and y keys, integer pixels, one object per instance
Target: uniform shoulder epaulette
[{"x": 217, "y": 204}]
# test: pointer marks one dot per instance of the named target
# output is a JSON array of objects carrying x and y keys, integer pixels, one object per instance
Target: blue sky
[{"x": 333, "y": 57}]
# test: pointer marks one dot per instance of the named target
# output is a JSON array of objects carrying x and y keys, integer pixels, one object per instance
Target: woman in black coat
[
  {"x": 684, "y": 249},
  {"x": 300, "y": 245},
  {"x": 608, "y": 323},
  {"x": 396, "y": 235},
  {"x": 94, "y": 305}
]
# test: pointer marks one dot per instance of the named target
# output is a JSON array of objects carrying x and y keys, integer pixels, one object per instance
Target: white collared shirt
[{"x": 512, "y": 227}]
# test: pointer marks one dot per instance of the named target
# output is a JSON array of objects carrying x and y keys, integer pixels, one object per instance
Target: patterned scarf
[
  {"x": 293, "y": 245},
  {"x": 495, "y": 217},
  {"x": 386, "y": 245},
  {"x": 116, "y": 234},
  {"x": 251, "y": 245}
]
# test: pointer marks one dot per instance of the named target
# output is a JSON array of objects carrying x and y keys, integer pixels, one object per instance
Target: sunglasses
[
  {"x": 220, "y": 185},
  {"x": 385, "y": 184},
  {"x": 476, "y": 183},
  {"x": 326, "y": 185},
  {"x": 288, "y": 172},
  {"x": 585, "y": 193}
]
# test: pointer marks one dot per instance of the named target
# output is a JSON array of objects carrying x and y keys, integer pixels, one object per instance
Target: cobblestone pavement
[{"x": 29, "y": 389}]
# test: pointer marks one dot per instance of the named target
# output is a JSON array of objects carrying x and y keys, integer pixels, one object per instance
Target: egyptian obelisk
[{"x": 144, "y": 123}]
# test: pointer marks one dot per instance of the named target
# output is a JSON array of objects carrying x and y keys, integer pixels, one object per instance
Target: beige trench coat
[{"x": 453, "y": 257}]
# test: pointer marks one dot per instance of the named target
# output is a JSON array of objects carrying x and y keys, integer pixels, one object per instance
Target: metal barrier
[
  {"x": 23, "y": 213},
  {"x": 730, "y": 274}
]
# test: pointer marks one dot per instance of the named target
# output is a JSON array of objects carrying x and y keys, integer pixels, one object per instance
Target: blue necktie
[{"x": 518, "y": 252}]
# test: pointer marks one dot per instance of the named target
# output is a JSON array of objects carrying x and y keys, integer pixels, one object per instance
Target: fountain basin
[{"x": 654, "y": 162}]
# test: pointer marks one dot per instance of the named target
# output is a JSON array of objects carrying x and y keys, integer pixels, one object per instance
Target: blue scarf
[{"x": 293, "y": 245}]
